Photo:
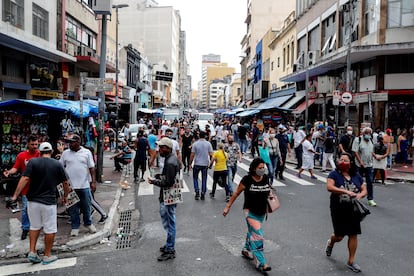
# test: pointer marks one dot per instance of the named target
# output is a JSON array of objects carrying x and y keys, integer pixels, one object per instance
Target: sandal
[
  {"x": 328, "y": 248},
  {"x": 246, "y": 254},
  {"x": 354, "y": 267},
  {"x": 264, "y": 268}
]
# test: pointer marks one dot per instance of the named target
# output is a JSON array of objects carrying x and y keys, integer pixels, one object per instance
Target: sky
[{"x": 211, "y": 26}]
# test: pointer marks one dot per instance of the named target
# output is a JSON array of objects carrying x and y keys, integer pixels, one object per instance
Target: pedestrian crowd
[{"x": 183, "y": 146}]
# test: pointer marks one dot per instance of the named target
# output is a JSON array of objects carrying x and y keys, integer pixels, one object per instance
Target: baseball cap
[
  {"x": 165, "y": 142},
  {"x": 45, "y": 146},
  {"x": 73, "y": 138}
]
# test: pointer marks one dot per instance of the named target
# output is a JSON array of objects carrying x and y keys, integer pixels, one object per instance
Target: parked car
[{"x": 133, "y": 132}]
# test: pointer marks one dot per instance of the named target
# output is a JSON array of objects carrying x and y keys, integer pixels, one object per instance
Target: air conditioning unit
[
  {"x": 312, "y": 57},
  {"x": 102, "y": 6}
]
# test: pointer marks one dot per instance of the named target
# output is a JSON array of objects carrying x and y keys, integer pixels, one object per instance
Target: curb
[
  {"x": 100, "y": 235},
  {"x": 19, "y": 248}
]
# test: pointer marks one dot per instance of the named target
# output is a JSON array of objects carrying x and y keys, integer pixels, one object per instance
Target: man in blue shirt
[{"x": 125, "y": 155}]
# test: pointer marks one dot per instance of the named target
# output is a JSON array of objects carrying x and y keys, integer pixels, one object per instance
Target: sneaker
[
  {"x": 34, "y": 258},
  {"x": 281, "y": 177},
  {"x": 24, "y": 234},
  {"x": 162, "y": 249},
  {"x": 136, "y": 179},
  {"x": 211, "y": 195},
  {"x": 166, "y": 256},
  {"x": 91, "y": 228},
  {"x": 372, "y": 203},
  {"x": 298, "y": 175},
  {"x": 328, "y": 248},
  {"x": 227, "y": 198},
  {"x": 47, "y": 260},
  {"x": 313, "y": 177},
  {"x": 74, "y": 232},
  {"x": 142, "y": 180},
  {"x": 63, "y": 214},
  {"x": 202, "y": 197},
  {"x": 103, "y": 218},
  {"x": 354, "y": 267},
  {"x": 197, "y": 196},
  {"x": 246, "y": 254}
]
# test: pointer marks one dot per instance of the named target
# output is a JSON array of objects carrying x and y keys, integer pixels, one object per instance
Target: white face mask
[
  {"x": 349, "y": 132},
  {"x": 272, "y": 135}
]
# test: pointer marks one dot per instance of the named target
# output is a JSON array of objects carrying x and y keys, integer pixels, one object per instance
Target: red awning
[
  {"x": 300, "y": 108},
  {"x": 112, "y": 99}
]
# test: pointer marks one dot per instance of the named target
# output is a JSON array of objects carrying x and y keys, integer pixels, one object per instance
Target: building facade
[{"x": 359, "y": 47}]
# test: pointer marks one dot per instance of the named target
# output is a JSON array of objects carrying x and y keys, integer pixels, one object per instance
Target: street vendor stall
[{"x": 49, "y": 120}]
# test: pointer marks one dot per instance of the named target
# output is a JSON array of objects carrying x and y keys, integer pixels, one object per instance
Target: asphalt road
[{"x": 295, "y": 236}]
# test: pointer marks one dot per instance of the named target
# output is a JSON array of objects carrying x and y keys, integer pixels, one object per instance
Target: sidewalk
[
  {"x": 398, "y": 172},
  {"x": 108, "y": 195}
]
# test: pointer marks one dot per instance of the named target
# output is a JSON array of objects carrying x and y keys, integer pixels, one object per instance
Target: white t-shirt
[
  {"x": 306, "y": 147},
  {"x": 77, "y": 165},
  {"x": 298, "y": 136}
]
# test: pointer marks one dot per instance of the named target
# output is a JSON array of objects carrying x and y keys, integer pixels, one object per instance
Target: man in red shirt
[{"x": 20, "y": 166}]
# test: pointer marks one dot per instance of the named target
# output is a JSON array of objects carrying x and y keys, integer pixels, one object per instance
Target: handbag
[
  {"x": 174, "y": 194},
  {"x": 360, "y": 209},
  {"x": 272, "y": 202}
]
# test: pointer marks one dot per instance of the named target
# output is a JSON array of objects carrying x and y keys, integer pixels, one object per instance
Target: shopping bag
[
  {"x": 264, "y": 154},
  {"x": 72, "y": 196},
  {"x": 174, "y": 194}
]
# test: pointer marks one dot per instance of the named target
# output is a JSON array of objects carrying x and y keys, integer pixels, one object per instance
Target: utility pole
[
  {"x": 102, "y": 71},
  {"x": 348, "y": 57}
]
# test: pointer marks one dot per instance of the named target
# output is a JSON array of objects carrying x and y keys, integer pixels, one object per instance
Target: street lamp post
[{"x": 117, "y": 7}]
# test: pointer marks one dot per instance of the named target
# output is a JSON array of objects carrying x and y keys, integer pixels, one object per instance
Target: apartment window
[
  {"x": 40, "y": 22},
  {"x": 288, "y": 54},
  {"x": 284, "y": 59},
  {"x": 271, "y": 65},
  {"x": 278, "y": 62},
  {"x": 292, "y": 52},
  {"x": 400, "y": 13},
  {"x": 13, "y": 12}
]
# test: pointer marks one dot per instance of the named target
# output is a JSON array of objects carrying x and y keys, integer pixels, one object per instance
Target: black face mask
[{"x": 163, "y": 154}]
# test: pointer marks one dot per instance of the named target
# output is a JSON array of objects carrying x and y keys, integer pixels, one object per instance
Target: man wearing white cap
[
  {"x": 44, "y": 174},
  {"x": 166, "y": 180}
]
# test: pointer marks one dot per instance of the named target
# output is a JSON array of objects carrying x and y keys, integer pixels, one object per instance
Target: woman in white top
[{"x": 308, "y": 155}]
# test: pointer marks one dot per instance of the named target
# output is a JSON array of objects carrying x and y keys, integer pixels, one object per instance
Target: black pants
[
  {"x": 185, "y": 154},
  {"x": 299, "y": 153},
  {"x": 255, "y": 147},
  {"x": 220, "y": 176},
  {"x": 137, "y": 165},
  {"x": 281, "y": 167},
  {"x": 118, "y": 161}
]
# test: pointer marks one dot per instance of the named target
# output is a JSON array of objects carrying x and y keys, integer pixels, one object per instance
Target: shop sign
[
  {"x": 379, "y": 97},
  {"x": 44, "y": 93},
  {"x": 360, "y": 98},
  {"x": 99, "y": 84}
]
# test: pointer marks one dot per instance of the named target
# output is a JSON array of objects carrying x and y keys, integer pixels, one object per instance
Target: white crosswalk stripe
[{"x": 289, "y": 174}]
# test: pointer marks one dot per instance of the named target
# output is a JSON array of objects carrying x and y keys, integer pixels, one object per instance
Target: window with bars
[
  {"x": 13, "y": 12},
  {"x": 40, "y": 22}
]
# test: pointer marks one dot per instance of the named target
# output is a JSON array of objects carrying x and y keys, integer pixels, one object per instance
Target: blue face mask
[{"x": 367, "y": 137}]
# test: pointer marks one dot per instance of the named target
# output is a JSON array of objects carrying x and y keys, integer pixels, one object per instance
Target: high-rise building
[
  {"x": 261, "y": 16},
  {"x": 155, "y": 32},
  {"x": 211, "y": 69}
]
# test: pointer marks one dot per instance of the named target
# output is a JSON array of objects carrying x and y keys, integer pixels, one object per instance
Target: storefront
[{"x": 48, "y": 120}]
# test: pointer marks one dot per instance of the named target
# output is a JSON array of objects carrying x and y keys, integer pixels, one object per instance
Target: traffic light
[{"x": 163, "y": 76}]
